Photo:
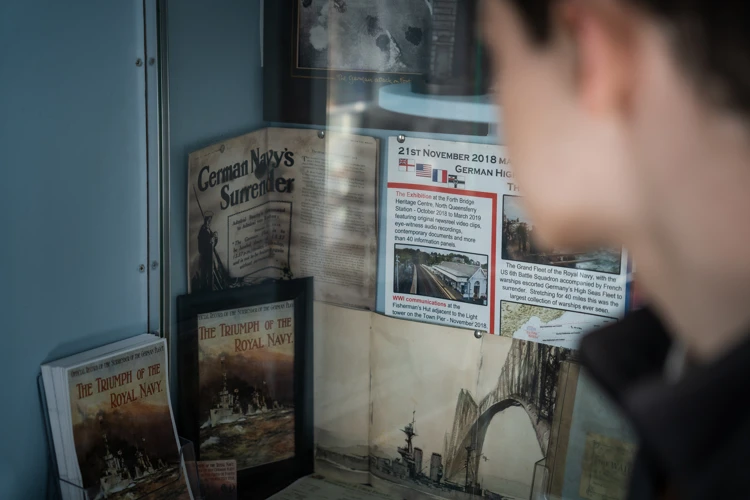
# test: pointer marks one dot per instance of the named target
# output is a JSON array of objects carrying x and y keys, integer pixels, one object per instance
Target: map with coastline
[{"x": 546, "y": 325}]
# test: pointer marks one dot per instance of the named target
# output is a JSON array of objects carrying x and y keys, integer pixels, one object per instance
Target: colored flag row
[{"x": 434, "y": 174}]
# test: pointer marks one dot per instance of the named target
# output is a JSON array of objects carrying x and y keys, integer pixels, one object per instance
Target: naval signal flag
[
  {"x": 458, "y": 181},
  {"x": 405, "y": 165}
]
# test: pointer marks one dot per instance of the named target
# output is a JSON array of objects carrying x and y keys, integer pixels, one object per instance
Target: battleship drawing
[
  {"x": 410, "y": 469},
  {"x": 242, "y": 415},
  {"x": 528, "y": 380},
  {"x": 117, "y": 476},
  {"x": 228, "y": 408}
]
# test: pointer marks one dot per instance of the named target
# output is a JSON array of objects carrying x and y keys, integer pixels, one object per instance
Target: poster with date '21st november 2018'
[{"x": 461, "y": 252}]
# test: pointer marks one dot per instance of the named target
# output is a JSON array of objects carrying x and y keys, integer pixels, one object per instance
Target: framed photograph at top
[
  {"x": 246, "y": 380},
  {"x": 325, "y": 61}
]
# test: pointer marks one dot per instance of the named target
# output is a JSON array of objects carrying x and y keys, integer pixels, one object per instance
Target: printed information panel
[{"x": 460, "y": 251}]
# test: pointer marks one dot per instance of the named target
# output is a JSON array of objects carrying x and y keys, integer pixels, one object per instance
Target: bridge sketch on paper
[{"x": 528, "y": 379}]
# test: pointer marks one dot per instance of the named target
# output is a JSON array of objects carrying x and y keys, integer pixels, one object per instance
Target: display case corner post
[{"x": 165, "y": 206}]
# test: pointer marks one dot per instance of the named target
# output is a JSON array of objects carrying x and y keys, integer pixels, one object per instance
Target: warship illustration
[
  {"x": 411, "y": 457},
  {"x": 410, "y": 470},
  {"x": 228, "y": 409},
  {"x": 117, "y": 476},
  {"x": 143, "y": 465}
]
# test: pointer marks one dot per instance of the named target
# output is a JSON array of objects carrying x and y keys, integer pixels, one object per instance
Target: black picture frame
[
  {"x": 263, "y": 480},
  {"x": 306, "y": 96}
]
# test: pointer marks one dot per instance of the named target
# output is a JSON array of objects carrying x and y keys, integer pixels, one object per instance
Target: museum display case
[
  {"x": 352, "y": 297},
  {"x": 443, "y": 337}
]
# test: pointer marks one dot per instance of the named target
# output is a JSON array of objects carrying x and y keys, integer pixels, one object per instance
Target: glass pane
[{"x": 443, "y": 335}]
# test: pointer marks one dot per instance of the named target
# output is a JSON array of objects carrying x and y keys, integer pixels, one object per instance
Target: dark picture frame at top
[
  {"x": 324, "y": 59},
  {"x": 245, "y": 368}
]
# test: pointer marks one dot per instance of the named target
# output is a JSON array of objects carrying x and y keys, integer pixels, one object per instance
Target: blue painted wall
[
  {"x": 215, "y": 92},
  {"x": 72, "y": 203}
]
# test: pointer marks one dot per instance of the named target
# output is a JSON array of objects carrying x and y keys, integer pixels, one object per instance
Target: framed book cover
[
  {"x": 325, "y": 61},
  {"x": 246, "y": 381}
]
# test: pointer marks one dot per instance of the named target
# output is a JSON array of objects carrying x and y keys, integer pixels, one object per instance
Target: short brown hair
[{"x": 711, "y": 40}]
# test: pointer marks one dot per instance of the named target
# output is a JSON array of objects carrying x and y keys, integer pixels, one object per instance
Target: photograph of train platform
[{"x": 439, "y": 273}]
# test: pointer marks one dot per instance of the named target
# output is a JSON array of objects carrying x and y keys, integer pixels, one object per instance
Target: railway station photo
[{"x": 444, "y": 274}]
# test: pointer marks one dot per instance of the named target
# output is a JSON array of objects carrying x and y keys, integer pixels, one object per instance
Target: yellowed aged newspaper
[{"x": 285, "y": 203}]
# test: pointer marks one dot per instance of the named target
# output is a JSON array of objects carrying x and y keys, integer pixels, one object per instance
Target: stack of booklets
[{"x": 111, "y": 422}]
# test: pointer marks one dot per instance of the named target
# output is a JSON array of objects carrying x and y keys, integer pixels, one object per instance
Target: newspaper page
[
  {"x": 461, "y": 252},
  {"x": 284, "y": 203}
]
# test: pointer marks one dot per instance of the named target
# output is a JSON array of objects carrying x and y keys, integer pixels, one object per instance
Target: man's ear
[{"x": 602, "y": 36}]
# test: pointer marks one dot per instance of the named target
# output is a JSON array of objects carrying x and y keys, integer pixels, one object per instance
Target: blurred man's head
[
  {"x": 626, "y": 123},
  {"x": 602, "y": 99}
]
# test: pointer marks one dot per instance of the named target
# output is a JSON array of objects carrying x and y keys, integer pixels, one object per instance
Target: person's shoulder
[{"x": 625, "y": 352}]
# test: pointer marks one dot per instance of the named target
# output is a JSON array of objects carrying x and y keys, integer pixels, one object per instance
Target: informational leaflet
[
  {"x": 283, "y": 203},
  {"x": 607, "y": 467},
  {"x": 460, "y": 251},
  {"x": 218, "y": 479}
]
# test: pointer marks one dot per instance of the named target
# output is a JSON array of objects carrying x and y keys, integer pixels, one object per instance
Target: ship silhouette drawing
[
  {"x": 228, "y": 407},
  {"x": 411, "y": 457},
  {"x": 117, "y": 475},
  {"x": 411, "y": 470}
]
